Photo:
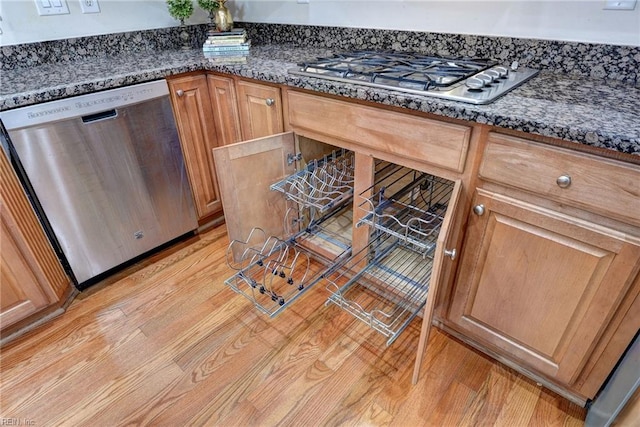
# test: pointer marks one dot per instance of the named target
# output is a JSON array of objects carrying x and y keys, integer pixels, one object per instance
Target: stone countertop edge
[{"x": 580, "y": 110}]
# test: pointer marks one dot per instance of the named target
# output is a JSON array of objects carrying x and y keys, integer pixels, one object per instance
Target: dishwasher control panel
[{"x": 82, "y": 105}]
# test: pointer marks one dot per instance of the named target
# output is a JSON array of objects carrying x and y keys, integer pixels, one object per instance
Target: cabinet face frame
[
  {"x": 607, "y": 265},
  {"x": 224, "y": 101},
  {"x": 195, "y": 122}
]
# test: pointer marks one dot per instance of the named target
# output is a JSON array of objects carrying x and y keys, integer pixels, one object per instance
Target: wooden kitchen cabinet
[
  {"x": 195, "y": 120},
  {"x": 260, "y": 108},
  {"x": 540, "y": 287},
  {"x": 224, "y": 101},
  {"x": 32, "y": 280}
]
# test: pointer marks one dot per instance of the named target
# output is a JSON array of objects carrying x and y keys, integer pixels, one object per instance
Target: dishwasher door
[{"x": 112, "y": 184}]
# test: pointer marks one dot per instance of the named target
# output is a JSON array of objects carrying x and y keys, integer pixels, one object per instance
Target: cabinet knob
[
  {"x": 179, "y": 92},
  {"x": 450, "y": 253},
  {"x": 563, "y": 181},
  {"x": 270, "y": 101},
  {"x": 478, "y": 210}
]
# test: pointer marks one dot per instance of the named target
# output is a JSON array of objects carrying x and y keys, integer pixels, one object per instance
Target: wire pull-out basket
[
  {"x": 323, "y": 184},
  {"x": 270, "y": 273},
  {"x": 386, "y": 284}
]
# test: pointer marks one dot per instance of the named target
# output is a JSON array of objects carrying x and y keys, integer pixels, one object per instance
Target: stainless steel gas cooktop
[{"x": 475, "y": 81}]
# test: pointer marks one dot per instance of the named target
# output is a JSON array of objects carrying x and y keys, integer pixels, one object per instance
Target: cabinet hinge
[{"x": 293, "y": 158}]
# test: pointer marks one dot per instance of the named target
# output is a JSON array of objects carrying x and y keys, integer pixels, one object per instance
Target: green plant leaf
[
  {"x": 208, "y": 4},
  {"x": 180, "y": 9}
]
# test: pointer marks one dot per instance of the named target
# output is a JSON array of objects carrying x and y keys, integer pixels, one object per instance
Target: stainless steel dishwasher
[{"x": 106, "y": 173}]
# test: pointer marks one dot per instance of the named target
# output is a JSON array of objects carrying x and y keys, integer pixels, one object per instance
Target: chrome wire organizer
[
  {"x": 385, "y": 286},
  {"x": 413, "y": 213},
  {"x": 271, "y": 272},
  {"x": 322, "y": 184}
]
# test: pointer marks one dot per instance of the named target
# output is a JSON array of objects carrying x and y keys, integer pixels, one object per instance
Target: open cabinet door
[
  {"x": 245, "y": 171},
  {"x": 444, "y": 253}
]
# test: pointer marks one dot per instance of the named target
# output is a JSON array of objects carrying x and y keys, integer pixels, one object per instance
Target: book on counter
[
  {"x": 240, "y": 47},
  {"x": 209, "y": 54},
  {"x": 232, "y": 32},
  {"x": 236, "y": 36},
  {"x": 225, "y": 42},
  {"x": 218, "y": 59}
]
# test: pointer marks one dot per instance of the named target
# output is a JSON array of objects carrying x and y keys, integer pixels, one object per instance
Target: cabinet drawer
[
  {"x": 437, "y": 143},
  {"x": 599, "y": 185}
]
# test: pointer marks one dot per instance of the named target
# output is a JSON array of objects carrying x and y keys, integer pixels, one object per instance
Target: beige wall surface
[{"x": 567, "y": 20}]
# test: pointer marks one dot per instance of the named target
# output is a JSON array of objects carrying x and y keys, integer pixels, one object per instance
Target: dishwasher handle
[{"x": 103, "y": 115}]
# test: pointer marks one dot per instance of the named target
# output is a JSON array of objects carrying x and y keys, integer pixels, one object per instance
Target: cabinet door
[
  {"x": 444, "y": 255},
  {"x": 260, "y": 108},
  {"x": 538, "y": 286},
  {"x": 246, "y": 170},
  {"x": 20, "y": 293},
  {"x": 195, "y": 121},
  {"x": 225, "y": 109},
  {"x": 31, "y": 277}
]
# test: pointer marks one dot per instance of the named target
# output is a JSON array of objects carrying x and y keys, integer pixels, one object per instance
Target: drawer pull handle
[
  {"x": 563, "y": 181},
  {"x": 450, "y": 253},
  {"x": 180, "y": 92},
  {"x": 478, "y": 210},
  {"x": 270, "y": 102}
]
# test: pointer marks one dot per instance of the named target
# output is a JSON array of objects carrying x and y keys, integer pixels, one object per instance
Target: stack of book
[{"x": 227, "y": 46}]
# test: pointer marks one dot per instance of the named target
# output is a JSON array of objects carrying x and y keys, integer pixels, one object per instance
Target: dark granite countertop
[{"x": 577, "y": 109}]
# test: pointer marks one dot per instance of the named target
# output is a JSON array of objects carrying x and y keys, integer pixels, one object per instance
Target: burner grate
[
  {"x": 405, "y": 68},
  {"x": 471, "y": 80}
]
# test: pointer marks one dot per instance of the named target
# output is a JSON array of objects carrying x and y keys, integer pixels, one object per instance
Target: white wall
[{"x": 569, "y": 20}]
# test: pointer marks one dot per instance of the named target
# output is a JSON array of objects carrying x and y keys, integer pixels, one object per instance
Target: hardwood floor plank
[
  {"x": 165, "y": 320},
  {"x": 60, "y": 399},
  {"x": 553, "y": 410},
  {"x": 244, "y": 415},
  {"x": 149, "y": 277},
  {"x": 452, "y": 406},
  {"x": 472, "y": 414},
  {"x": 373, "y": 415},
  {"x": 294, "y": 360},
  {"x": 426, "y": 395},
  {"x": 373, "y": 374},
  {"x": 43, "y": 349},
  {"x": 174, "y": 291},
  {"x": 519, "y": 405},
  {"x": 474, "y": 370},
  {"x": 224, "y": 379},
  {"x": 393, "y": 359},
  {"x": 116, "y": 398},
  {"x": 225, "y": 326},
  {"x": 36, "y": 379},
  {"x": 201, "y": 382},
  {"x": 343, "y": 397},
  {"x": 301, "y": 396},
  {"x": 491, "y": 397},
  {"x": 143, "y": 277}
]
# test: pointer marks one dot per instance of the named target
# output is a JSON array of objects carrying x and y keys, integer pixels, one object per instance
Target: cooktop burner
[{"x": 476, "y": 81}]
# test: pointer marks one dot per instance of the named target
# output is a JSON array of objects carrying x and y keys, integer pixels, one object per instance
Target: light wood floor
[{"x": 165, "y": 343}]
